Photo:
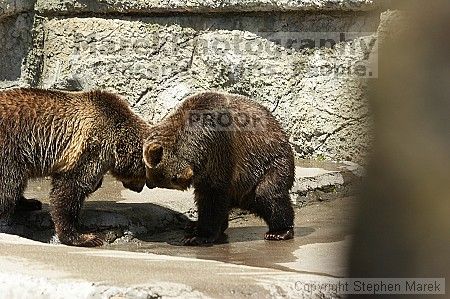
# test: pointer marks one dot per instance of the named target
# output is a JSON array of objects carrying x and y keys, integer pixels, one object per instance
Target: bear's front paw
[
  {"x": 280, "y": 235},
  {"x": 198, "y": 241},
  {"x": 88, "y": 240},
  {"x": 85, "y": 240}
]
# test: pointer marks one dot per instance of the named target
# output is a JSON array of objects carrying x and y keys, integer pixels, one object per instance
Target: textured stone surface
[
  {"x": 155, "y": 62},
  {"x": 282, "y": 59},
  {"x": 16, "y": 21},
  {"x": 139, "y": 6},
  {"x": 15, "y": 41},
  {"x": 321, "y": 181},
  {"x": 13, "y": 7}
]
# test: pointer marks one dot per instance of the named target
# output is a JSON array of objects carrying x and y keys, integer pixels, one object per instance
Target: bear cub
[
  {"x": 235, "y": 155},
  {"x": 75, "y": 138}
]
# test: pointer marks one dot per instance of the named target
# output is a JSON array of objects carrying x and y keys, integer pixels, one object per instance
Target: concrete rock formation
[
  {"x": 308, "y": 61},
  {"x": 136, "y": 6}
]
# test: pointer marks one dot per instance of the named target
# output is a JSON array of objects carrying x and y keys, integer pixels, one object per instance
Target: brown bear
[
  {"x": 75, "y": 138},
  {"x": 234, "y": 153}
]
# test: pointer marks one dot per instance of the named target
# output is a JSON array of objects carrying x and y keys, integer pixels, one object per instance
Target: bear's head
[
  {"x": 129, "y": 167},
  {"x": 135, "y": 185},
  {"x": 164, "y": 169}
]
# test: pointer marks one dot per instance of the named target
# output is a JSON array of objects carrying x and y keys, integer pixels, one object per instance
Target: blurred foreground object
[{"x": 403, "y": 226}]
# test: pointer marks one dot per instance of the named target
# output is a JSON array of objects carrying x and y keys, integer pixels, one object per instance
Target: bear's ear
[{"x": 153, "y": 154}]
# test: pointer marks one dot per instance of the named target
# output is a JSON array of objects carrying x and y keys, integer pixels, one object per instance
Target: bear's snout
[{"x": 134, "y": 186}]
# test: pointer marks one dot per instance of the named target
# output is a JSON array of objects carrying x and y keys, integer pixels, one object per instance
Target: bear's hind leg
[
  {"x": 272, "y": 203},
  {"x": 278, "y": 213},
  {"x": 11, "y": 189},
  {"x": 7, "y": 204},
  {"x": 13, "y": 182}
]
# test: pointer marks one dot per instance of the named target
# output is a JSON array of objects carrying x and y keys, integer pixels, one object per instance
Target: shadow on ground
[
  {"x": 112, "y": 219},
  {"x": 232, "y": 235},
  {"x": 146, "y": 221},
  {"x": 241, "y": 246}
]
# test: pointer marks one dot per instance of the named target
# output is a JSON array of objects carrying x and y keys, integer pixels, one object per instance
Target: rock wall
[
  {"x": 309, "y": 61},
  {"x": 16, "y": 22}
]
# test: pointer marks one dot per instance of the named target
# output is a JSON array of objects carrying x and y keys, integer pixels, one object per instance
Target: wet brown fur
[
  {"x": 249, "y": 169},
  {"x": 73, "y": 137}
]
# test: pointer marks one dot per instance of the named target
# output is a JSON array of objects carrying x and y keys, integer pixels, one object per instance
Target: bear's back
[
  {"x": 250, "y": 119},
  {"x": 241, "y": 154},
  {"x": 47, "y": 131},
  {"x": 29, "y": 105}
]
